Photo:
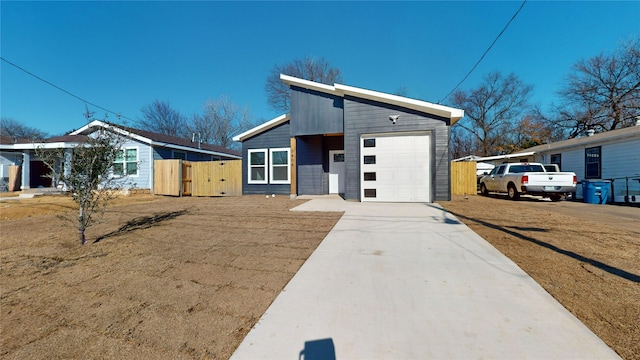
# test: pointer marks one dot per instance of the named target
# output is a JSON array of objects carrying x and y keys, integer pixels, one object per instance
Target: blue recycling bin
[{"x": 596, "y": 192}]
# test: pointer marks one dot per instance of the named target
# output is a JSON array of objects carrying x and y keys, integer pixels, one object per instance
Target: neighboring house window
[
  {"x": 592, "y": 163},
  {"x": 557, "y": 159},
  {"x": 257, "y": 166},
  {"x": 179, "y": 155},
  {"x": 126, "y": 162},
  {"x": 279, "y": 165}
]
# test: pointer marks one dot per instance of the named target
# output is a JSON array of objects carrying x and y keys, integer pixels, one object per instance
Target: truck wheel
[
  {"x": 555, "y": 197},
  {"x": 512, "y": 192},
  {"x": 483, "y": 190}
]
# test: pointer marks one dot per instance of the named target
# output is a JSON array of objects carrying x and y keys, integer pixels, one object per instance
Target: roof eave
[
  {"x": 306, "y": 84},
  {"x": 262, "y": 128},
  {"x": 340, "y": 90},
  {"x": 424, "y": 106},
  {"x": 88, "y": 129}
]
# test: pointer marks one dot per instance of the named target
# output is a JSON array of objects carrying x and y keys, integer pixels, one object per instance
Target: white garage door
[{"x": 395, "y": 167}]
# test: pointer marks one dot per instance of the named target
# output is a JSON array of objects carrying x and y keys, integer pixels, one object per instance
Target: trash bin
[{"x": 596, "y": 192}]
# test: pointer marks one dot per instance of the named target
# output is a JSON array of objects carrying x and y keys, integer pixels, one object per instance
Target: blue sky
[{"x": 124, "y": 55}]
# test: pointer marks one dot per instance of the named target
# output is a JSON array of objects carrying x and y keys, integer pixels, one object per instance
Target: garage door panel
[{"x": 401, "y": 168}]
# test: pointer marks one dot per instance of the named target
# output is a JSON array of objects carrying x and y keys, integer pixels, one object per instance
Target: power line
[
  {"x": 486, "y": 51},
  {"x": 63, "y": 90}
]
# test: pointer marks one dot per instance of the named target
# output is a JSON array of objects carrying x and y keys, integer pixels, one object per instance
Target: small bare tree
[
  {"x": 161, "y": 118},
  {"x": 13, "y": 128},
  {"x": 220, "y": 121},
  {"x": 602, "y": 93},
  {"x": 492, "y": 111},
  {"x": 89, "y": 176}
]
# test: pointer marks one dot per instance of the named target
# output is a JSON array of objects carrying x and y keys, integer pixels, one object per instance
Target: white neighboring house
[
  {"x": 613, "y": 155},
  {"x": 139, "y": 150}
]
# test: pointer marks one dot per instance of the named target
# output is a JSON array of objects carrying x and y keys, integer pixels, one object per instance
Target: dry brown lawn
[
  {"x": 586, "y": 256},
  {"x": 169, "y": 277},
  {"x": 188, "y": 277}
]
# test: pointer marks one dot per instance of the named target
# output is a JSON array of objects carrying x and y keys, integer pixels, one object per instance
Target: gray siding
[
  {"x": 277, "y": 137},
  {"x": 310, "y": 168},
  {"x": 366, "y": 117},
  {"x": 315, "y": 113}
]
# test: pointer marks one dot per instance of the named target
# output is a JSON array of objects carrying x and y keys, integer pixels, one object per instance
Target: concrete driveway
[{"x": 409, "y": 281}]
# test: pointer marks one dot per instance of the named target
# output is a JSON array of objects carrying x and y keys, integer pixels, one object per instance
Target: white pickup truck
[{"x": 528, "y": 178}]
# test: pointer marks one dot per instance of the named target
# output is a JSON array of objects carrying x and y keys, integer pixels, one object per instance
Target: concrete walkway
[{"x": 409, "y": 281}]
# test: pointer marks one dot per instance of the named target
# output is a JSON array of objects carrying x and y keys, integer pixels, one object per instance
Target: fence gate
[
  {"x": 216, "y": 178},
  {"x": 201, "y": 178},
  {"x": 463, "y": 178}
]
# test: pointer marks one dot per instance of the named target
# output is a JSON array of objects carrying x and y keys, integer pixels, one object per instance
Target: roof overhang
[
  {"x": 90, "y": 127},
  {"x": 508, "y": 156},
  {"x": 40, "y": 145},
  {"x": 261, "y": 128},
  {"x": 450, "y": 113}
]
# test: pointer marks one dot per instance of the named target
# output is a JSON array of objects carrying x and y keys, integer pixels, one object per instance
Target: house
[
  {"x": 362, "y": 144},
  {"x": 613, "y": 155},
  {"x": 139, "y": 149}
]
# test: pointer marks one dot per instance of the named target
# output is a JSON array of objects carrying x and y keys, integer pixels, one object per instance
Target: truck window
[
  {"x": 526, "y": 168},
  {"x": 501, "y": 170}
]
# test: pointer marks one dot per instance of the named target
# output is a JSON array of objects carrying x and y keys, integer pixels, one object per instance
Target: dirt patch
[
  {"x": 584, "y": 255},
  {"x": 167, "y": 278}
]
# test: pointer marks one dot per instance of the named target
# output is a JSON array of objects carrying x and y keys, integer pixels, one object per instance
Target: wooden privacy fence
[
  {"x": 15, "y": 177},
  {"x": 201, "y": 178},
  {"x": 463, "y": 178}
]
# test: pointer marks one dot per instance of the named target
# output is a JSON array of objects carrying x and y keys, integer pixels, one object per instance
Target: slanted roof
[
  {"x": 611, "y": 135},
  {"x": 56, "y": 142},
  {"x": 263, "y": 127},
  {"x": 155, "y": 139},
  {"x": 341, "y": 90}
]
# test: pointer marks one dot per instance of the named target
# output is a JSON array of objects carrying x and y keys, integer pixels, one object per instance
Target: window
[
  {"x": 279, "y": 165},
  {"x": 370, "y": 176},
  {"x": 269, "y": 166},
  {"x": 369, "y": 159},
  {"x": 369, "y": 193},
  {"x": 369, "y": 142},
  {"x": 257, "y": 166},
  {"x": 556, "y": 159},
  {"x": 500, "y": 170},
  {"x": 126, "y": 162},
  {"x": 338, "y": 158},
  {"x": 592, "y": 163}
]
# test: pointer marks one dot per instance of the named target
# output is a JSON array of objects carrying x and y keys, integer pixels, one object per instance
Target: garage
[{"x": 395, "y": 167}]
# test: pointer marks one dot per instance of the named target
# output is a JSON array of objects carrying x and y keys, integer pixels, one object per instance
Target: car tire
[
  {"x": 483, "y": 190},
  {"x": 555, "y": 198},
  {"x": 512, "y": 192}
]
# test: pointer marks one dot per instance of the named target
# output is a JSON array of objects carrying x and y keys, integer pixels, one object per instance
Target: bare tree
[
  {"x": 13, "y": 128},
  {"x": 603, "y": 92},
  {"x": 308, "y": 68},
  {"x": 160, "y": 117},
  {"x": 220, "y": 121},
  {"x": 89, "y": 175},
  {"x": 461, "y": 143},
  {"x": 492, "y": 111}
]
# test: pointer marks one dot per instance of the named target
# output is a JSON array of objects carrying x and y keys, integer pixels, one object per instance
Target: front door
[{"x": 337, "y": 172}]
